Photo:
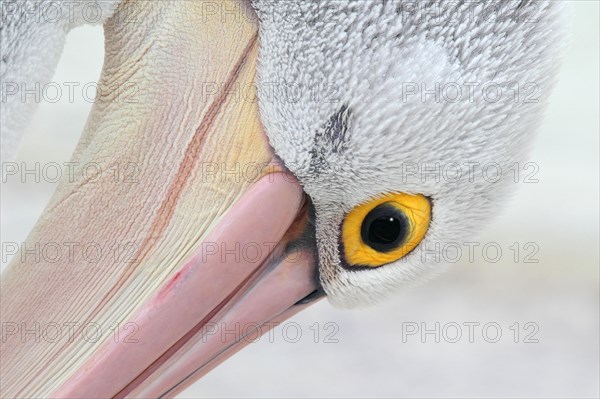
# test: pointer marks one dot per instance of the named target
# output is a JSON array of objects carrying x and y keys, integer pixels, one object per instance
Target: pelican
[{"x": 270, "y": 154}]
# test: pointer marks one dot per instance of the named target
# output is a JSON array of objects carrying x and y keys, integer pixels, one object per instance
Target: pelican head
[
  {"x": 429, "y": 100},
  {"x": 385, "y": 131}
]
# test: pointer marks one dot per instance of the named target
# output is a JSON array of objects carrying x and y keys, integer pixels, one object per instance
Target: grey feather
[{"x": 374, "y": 53}]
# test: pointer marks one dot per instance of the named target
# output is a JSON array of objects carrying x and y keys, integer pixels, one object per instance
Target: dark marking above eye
[
  {"x": 523, "y": 3},
  {"x": 331, "y": 138}
]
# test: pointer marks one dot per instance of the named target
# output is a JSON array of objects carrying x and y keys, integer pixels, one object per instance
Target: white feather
[
  {"x": 372, "y": 53},
  {"x": 33, "y": 34}
]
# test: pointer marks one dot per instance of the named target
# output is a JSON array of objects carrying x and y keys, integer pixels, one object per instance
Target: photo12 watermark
[
  {"x": 453, "y": 332},
  {"x": 69, "y": 331}
]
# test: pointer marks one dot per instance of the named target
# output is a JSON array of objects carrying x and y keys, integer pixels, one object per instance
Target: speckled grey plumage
[{"x": 371, "y": 54}]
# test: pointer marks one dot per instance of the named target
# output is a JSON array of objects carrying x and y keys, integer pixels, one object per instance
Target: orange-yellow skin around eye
[{"x": 417, "y": 209}]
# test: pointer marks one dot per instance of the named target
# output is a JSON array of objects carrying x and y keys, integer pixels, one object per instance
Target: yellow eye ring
[{"x": 385, "y": 229}]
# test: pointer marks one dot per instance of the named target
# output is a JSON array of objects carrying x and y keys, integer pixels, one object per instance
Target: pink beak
[
  {"x": 189, "y": 322},
  {"x": 213, "y": 257}
]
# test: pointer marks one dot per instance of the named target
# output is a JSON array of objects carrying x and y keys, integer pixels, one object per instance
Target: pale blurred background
[{"x": 560, "y": 293}]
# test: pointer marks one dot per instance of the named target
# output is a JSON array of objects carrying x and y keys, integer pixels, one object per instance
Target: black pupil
[{"x": 384, "y": 228}]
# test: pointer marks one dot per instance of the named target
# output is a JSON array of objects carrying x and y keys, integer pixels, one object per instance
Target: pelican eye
[{"x": 385, "y": 229}]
